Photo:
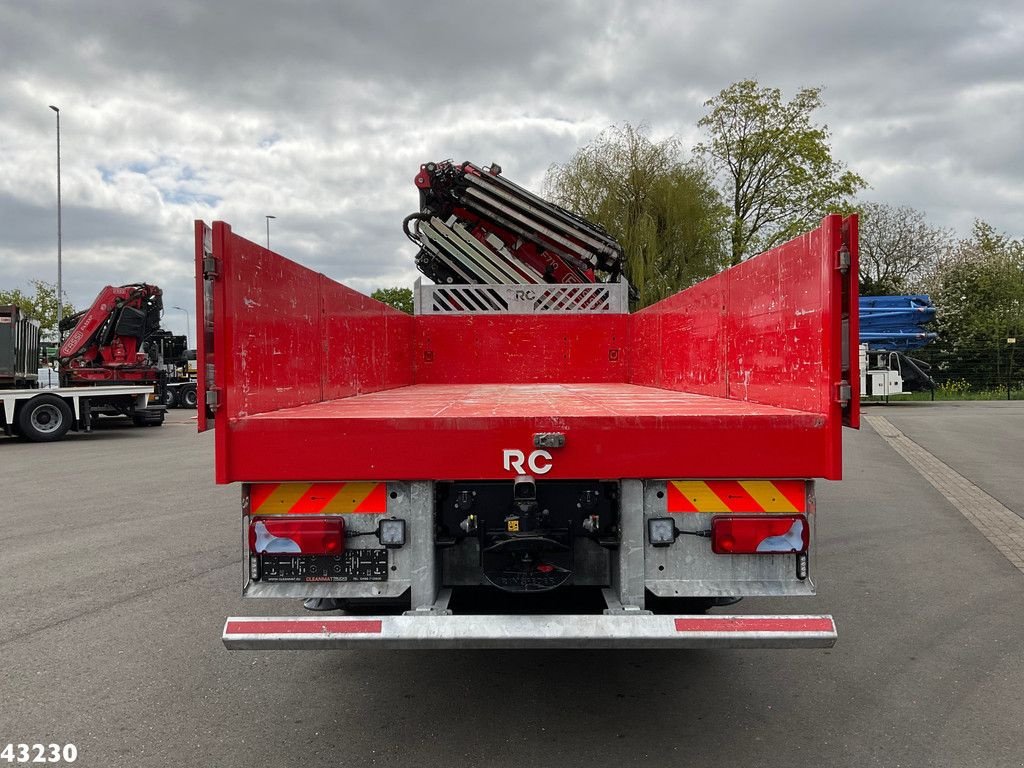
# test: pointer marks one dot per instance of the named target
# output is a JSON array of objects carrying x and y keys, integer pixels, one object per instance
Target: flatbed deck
[
  {"x": 530, "y": 402},
  {"x": 461, "y": 431}
]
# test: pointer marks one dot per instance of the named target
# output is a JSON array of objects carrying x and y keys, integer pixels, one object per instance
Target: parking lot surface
[
  {"x": 121, "y": 559},
  {"x": 982, "y": 440}
]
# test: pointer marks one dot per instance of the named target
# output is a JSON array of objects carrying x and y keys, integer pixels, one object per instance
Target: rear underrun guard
[{"x": 605, "y": 631}]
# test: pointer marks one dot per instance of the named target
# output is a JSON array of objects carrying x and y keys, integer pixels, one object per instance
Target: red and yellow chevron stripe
[
  {"x": 317, "y": 498},
  {"x": 736, "y": 496}
]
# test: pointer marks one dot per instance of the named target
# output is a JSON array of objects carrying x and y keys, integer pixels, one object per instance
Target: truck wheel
[
  {"x": 44, "y": 419},
  {"x": 170, "y": 398},
  {"x": 150, "y": 417},
  {"x": 188, "y": 396}
]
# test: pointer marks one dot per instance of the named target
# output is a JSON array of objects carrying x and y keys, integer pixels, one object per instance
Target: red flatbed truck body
[
  {"x": 746, "y": 376},
  {"x": 738, "y": 376}
]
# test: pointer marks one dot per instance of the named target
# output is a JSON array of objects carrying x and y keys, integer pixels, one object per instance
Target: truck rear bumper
[{"x": 605, "y": 631}]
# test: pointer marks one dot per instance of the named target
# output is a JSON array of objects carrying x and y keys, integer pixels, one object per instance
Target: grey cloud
[{"x": 321, "y": 112}]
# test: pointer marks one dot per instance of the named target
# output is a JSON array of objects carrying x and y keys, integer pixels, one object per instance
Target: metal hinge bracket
[
  {"x": 213, "y": 399},
  {"x": 843, "y": 259},
  {"x": 549, "y": 440},
  {"x": 210, "y": 266},
  {"x": 843, "y": 392}
]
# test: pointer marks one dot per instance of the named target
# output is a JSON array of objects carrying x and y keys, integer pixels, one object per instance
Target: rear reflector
[
  {"x": 759, "y": 534},
  {"x": 756, "y": 624},
  {"x": 291, "y": 627},
  {"x": 305, "y": 536}
]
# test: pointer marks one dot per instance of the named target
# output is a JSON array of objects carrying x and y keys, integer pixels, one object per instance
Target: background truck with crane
[
  {"x": 890, "y": 328},
  {"x": 177, "y": 365},
  {"x": 523, "y": 462},
  {"x": 106, "y": 366}
]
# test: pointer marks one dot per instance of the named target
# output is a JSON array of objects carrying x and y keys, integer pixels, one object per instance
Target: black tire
[
  {"x": 171, "y": 397},
  {"x": 188, "y": 396},
  {"x": 150, "y": 417},
  {"x": 44, "y": 419}
]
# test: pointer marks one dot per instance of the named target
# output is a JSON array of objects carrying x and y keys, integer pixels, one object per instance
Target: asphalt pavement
[
  {"x": 977, "y": 439},
  {"x": 121, "y": 559}
]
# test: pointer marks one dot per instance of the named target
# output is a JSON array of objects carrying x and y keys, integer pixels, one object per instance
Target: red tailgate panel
[{"x": 453, "y": 431}]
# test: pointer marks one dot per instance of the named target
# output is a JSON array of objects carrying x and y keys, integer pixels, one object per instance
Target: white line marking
[{"x": 997, "y": 523}]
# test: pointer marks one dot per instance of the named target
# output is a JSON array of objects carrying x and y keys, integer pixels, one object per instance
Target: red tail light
[
  {"x": 306, "y": 536},
  {"x": 759, "y": 534}
]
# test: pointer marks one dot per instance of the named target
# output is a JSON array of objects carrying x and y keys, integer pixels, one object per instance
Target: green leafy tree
[
  {"x": 399, "y": 298},
  {"x": 41, "y": 306},
  {"x": 776, "y": 165},
  {"x": 897, "y": 248},
  {"x": 663, "y": 210},
  {"x": 978, "y": 291}
]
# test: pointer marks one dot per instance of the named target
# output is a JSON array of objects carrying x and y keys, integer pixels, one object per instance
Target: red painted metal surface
[
  {"x": 767, "y": 331},
  {"x": 291, "y": 627},
  {"x": 756, "y": 624},
  {"x": 680, "y": 343},
  {"x": 736, "y": 377},
  {"x": 520, "y": 349},
  {"x": 454, "y": 431},
  {"x": 284, "y": 335},
  {"x": 366, "y": 345}
]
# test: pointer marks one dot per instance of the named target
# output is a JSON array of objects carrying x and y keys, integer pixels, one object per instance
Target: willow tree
[{"x": 663, "y": 209}]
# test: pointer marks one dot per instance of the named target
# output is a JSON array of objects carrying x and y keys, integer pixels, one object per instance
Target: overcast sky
[{"x": 320, "y": 113}]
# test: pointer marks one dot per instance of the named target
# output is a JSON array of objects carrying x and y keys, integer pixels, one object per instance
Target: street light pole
[
  {"x": 268, "y": 218},
  {"x": 60, "y": 283},
  {"x": 188, "y": 322}
]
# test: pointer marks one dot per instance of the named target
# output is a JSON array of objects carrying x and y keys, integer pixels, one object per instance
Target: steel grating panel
[{"x": 547, "y": 299}]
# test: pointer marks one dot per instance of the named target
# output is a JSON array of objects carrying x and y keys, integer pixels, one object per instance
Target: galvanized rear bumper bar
[{"x": 605, "y": 631}]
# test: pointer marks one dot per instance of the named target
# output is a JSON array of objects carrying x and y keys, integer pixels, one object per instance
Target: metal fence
[{"x": 994, "y": 368}]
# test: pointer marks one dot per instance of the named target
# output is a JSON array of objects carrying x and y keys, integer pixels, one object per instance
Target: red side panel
[
  {"x": 367, "y": 345},
  {"x": 521, "y": 349},
  {"x": 779, "y": 329},
  {"x": 680, "y": 343},
  {"x": 778, "y": 323},
  {"x": 280, "y": 335},
  {"x": 271, "y": 328}
]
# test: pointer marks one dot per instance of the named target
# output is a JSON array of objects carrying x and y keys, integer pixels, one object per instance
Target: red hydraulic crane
[
  {"x": 476, "y": 226},
  {"x": 106, "y": 340}
]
